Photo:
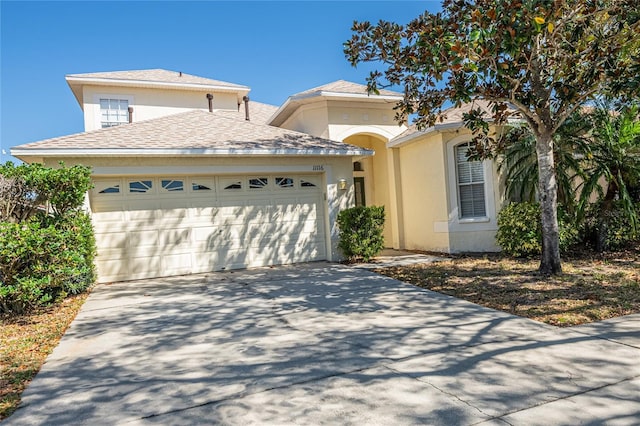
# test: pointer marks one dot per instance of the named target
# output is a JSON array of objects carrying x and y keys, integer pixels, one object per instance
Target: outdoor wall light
[{"x": 342, "y": 184}]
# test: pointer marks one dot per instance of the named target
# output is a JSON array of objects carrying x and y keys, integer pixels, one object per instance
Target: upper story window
[
  {"x": 470, "y": 179},
  {"x": 113, "y": 112}
]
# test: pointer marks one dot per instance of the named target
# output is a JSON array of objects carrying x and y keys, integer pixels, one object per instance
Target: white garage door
[{"x": 172, "y": 225}]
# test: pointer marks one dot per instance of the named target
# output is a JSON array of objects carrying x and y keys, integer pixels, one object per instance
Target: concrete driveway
[{"x": 325, "y": 344}]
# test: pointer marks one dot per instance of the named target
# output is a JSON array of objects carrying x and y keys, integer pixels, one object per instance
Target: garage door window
[
  {"x": 199, "y": 187},
  {"x": 306, "y": 184},
  {"x": 112, "y": 189},
  {"x": 140, "y": 186},
  {"x": 231, "y": 184},
  {"x": 284, "y": 182},
  {"x": 172, "y": 185},
  {"x": 258, "y": 183}
]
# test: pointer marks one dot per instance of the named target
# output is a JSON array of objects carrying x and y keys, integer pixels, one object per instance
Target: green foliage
[
  {"x": 612, "y": 166},
  {"x": 40, "y": 262},
  {"x": 44, "y": 256},
  {"x": 26, "y": 187},
  {"x": 361, "y": 232},
  {"x": 618, "y": 233},
  {"x": 597, "y": 153},
  {"x": 519, "y": 162},
  {"x": 540, "y": 56},
  {"x": 520, "y": 230},
  {"x": 541, "y": 59}
]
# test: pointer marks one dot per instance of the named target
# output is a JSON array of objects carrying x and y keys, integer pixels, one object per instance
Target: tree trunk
[{"x": 548, "y": 193}]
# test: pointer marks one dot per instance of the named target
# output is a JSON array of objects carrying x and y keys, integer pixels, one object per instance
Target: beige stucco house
[{"x": 191, "y": 176}]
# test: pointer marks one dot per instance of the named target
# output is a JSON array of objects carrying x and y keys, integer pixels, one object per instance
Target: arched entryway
[{"x": 374, "y": 180}]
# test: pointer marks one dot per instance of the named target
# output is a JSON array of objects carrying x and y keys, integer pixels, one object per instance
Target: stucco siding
[
  {"x": 424, "y": 195},
  {"x": 473, "y": 241},
  {"x": 311, "y": 119},
  {"x": 151, "y": 103}
]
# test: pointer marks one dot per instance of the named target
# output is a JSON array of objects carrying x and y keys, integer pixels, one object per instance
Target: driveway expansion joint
[
  {"x": 450, "y": 394},
  {"x": 244, "y": 394},
  {"x": 567, "y": 396}
]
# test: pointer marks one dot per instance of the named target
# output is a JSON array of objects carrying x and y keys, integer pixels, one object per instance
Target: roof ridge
[{"x": 155, "y": 75}]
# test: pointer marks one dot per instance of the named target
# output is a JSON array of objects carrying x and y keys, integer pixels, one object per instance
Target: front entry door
[{"x": 358, "y": 185}]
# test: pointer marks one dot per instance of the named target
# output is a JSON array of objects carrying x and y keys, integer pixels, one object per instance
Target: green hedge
[
  {"x": 361, "y": 232},
  {"x": 41, "y": 262},
  {"x": 44, "y": 257},
  {"x": 520, "y": 229}
]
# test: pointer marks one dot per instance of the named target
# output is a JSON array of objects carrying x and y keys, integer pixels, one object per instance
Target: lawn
[
  {"x": 25, "y": 342},
  {"x": 591, "y": 288}
]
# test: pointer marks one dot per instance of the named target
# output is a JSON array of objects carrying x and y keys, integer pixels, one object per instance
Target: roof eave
[
  {"x": 398, "y": 142},
  {"x": 163, "y": 152},
  {"x": 75, "y": 80}
]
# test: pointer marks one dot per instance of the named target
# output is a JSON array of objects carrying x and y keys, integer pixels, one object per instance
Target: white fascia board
[
  {"x": 395, "y": 143},
  {"x": 212, "y": 169},
  {"x": 279, "y": 111},
  {"x": 341, "y": 95},
  {"x": 161, "y": 84},
  {"x": 161, "y": 152}
]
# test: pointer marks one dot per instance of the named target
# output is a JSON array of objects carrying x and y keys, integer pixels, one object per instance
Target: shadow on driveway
[{"x": 325, "y": 343}]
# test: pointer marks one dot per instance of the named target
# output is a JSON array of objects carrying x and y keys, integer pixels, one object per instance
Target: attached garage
[
  {"x": 198, "y": 192},
  {"x": 153, "y": 226}
]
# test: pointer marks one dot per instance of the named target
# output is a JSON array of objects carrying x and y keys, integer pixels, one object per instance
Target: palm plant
[
  {"x": 612, "y": 166},
  {"x": 520, "y": 165}
]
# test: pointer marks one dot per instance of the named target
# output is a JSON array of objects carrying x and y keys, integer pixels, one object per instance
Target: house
[{"x": 192, "y": 176}]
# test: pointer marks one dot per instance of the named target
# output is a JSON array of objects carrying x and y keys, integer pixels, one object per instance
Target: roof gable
[{"x": 337, "y": 90}]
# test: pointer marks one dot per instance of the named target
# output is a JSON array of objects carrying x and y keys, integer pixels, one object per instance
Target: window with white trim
[
  {"x": 113, "y": 112},
  {"x": 284, "y": 182},
  {"x": 258, "y": 183},
  {"x": 140, "y": 186},
  {"x": 172, "y": 185},
  {"x": 470, "y": 180},
  {"x": 115, "y": 189}
]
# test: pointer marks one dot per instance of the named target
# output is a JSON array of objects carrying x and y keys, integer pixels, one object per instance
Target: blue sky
[{"x": 276, "y": 48}]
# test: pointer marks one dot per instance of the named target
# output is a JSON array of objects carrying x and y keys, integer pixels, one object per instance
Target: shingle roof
[
  {"x": 347, "y": 87},
  {"x": 158, "y": 76},
  {"x": 451, "y": 116},
  {"x": 195, "y": 130},
  {"x": 258, "y": 112}
]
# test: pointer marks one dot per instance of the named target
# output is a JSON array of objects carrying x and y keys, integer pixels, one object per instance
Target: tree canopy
[{"x": 541, "y": 58}]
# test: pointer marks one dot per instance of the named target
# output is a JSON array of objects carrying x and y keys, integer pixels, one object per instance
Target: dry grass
[
  {"x": 25, "y": 342},
  {"x": 591, "y": 288}
]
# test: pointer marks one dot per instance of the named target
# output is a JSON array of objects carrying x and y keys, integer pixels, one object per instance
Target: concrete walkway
[
  {"x": 326, "y": 344},
  {"x": 392, "y": 257}
]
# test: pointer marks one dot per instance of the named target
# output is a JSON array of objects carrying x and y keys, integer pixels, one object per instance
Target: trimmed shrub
[
  {"x": 41, "y": 262},
  {"x": 26, "y": 187},
  {"x": 361, "y": 232},
  {"x": 520, "y": 229},
  {"x": 43, "y": 257}
]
